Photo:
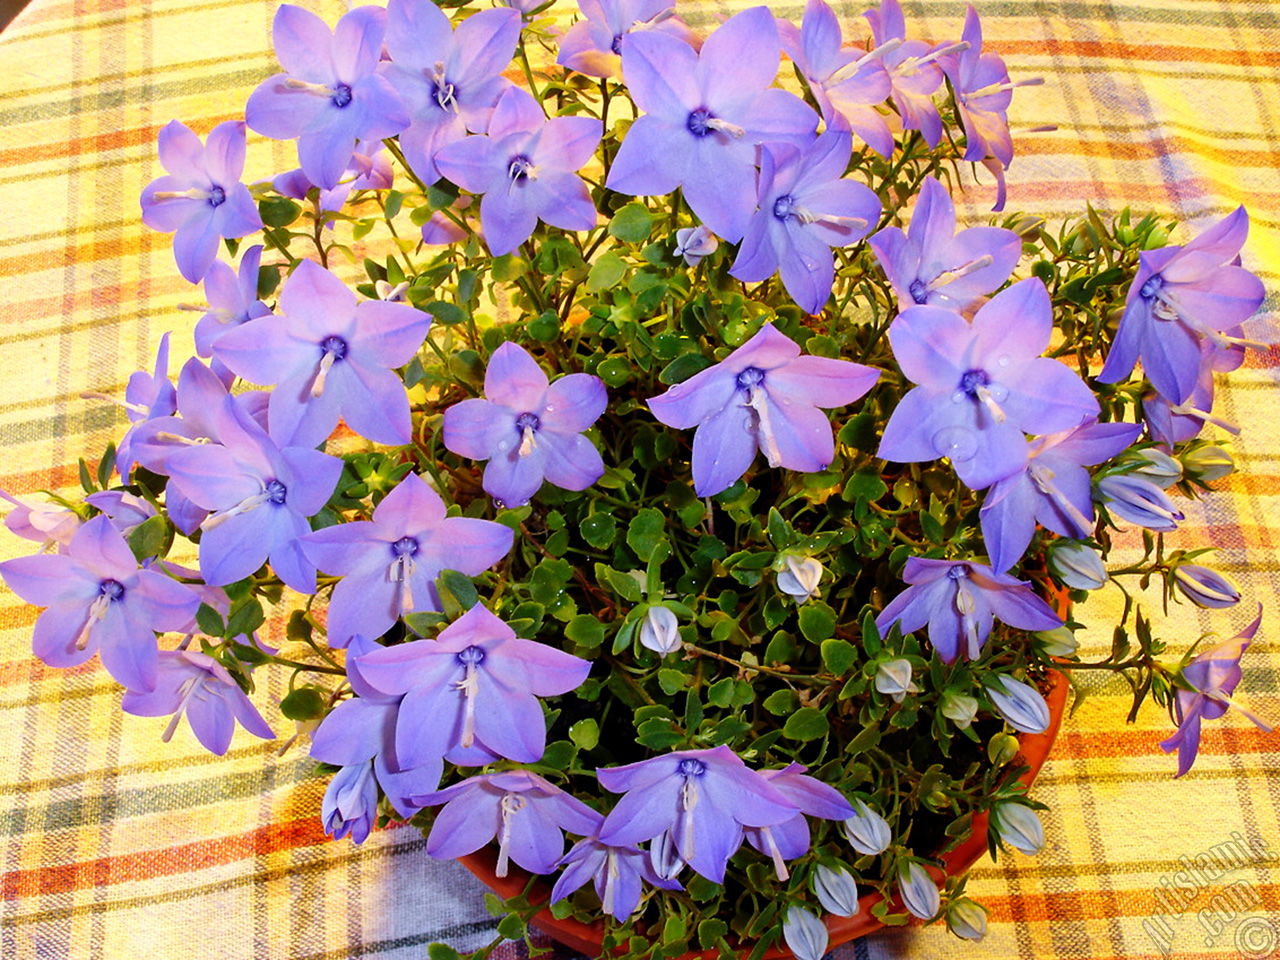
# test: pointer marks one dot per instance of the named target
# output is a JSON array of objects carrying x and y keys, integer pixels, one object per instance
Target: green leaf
[
  {"x": 658, "y": 734},
  {"x": 508, "y": 267},
  {"x": 305, "y": 703},
  {"x": 672, "y": 681},
  {"x": 631, "y": 224},
  {"x": 673, "y": 929},
  {"x": 210, "y": 622},
  {"x": 606, "y": 272},
  {"x": 623, "y": 584},
  {"x": 86, "y": 480},
  {"x": 458, "y": 588},
  {"x": 150, "y": 538},
  {"x": 585, "y": 733},
  {"x": 807, "y": 723},
  {"x": 278, "y": 211},
  {"x": 445, "y": 313},
  {"x": 247, "y": 619},
  {"x": 106, "y": 465},
  {"x": 865, "y": 485},
  {"x": 645, "y": 532},
  {"x": 720, "y": 693},
  {"x": 599, "y": 530},
  {"x": 782, "y": 702},
  {"x": 441, "y": 951},
  {"x": 511, "y": 927},
  {"x": 838, "y": 656},
  {"x": 709, "y": 931},
  {"x": 683, "y": 367},
  {"x": 585, "y": 630},
  {"x": 817, "y": 621}
]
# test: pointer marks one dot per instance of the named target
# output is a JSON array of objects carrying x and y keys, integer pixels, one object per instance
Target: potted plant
[{"x": 676, "y": 475}]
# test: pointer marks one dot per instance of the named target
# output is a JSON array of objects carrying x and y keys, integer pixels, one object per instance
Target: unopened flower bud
[
  {"x": 1019, "y": 827},
  {"x": 1158, "y": 467},
  {"x": 919, "y": 893},
  {"x": 893, "y": 679},
  {"x": 836, "y": 890},
  {"x": 966, "y": 919},
  {"x": 1139, "y": 501},
  {"x": 805, "y": 933},
  {"x": 1078, "y": 566},
  {"x": 660, "y": 631},
  {"x": 1205, "y": 587},
  {"x": 1020, "y": 704},
  {"x": 694, "y": 243},
  {"x": 800, "y": 577},
  {"x": 1207, "y": 464},
  {"x": 959, "y": 708},
  {"x": 1002, "y": 748},
  {"x": 867, "y": 831},
  {"x": 1059, "y": 642},
  {"x": 664, "y": 858}
]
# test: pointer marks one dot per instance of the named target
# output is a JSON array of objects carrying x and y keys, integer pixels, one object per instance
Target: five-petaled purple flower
[
  {"x": 789, "y": 840},
  {"x": 389, "y": 564},
  {"x": 763, "y": 396},
  {"x": 528, "y": 429},
  {"x": 806, "y": 208},
  {"x": 703, "y": 797},
  {"x": 704, "y": 114},
  {"x": 933, "y": 264},
  {"x": 1179, "y": 295},
  {"x": 1213, "y": 676},
  {"x": 201, "y": 199},
  {"x": 914, "y": 74},
  {"x": 193, "y": 683},
  {"x": 331, "y": 93},
  {"x": 593, "y": 45},
  {"x": 99, "y": 601},
  {"x": 233, "y": 300},
  {"x": 471, "y": 695},
  {"x": 525, "y": 167},
  {"x": 615, "y": 872},
  {"x": 958, "y": 601},
  {"x": 147, "y": 397},
  {"x": 981, "y": 385},
  {"x": 330, "y": 357},
  {"x": 525, "y": 812}
]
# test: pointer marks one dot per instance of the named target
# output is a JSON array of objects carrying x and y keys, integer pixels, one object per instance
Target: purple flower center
[
  {"x": 335, "y": 346},
  {"x": 971, "y": 380},
  {"x": 750, "y": 377},
  {"x": 405, "y": 547},
  {"x": 918, "y": 291},
  {"x": 276, "y": 491},
  {"x": 341, "y": 96},
  {"x": 784, "y": 207},
  {"x": 444, "y": 94},
  {"x": 1151, "y": 288},
  {"x": 692, "y": 768},
  {"x": 110, "y": 589},
  {"x": 616, "y": 46},
  {"x": 699, "y": 122},
  {"x": 528, "y": 421},
  {"x": 518, "y": 170},
  {"x": 217, "y": 196},
  {"x": 958, "y": 572},
  {"x": 471, "y": 656}
]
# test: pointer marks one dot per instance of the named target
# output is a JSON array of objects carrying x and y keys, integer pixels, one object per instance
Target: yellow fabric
[{"x": 116, "y": 845}]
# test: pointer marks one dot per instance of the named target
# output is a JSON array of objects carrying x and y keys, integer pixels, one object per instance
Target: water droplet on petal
[
  {"x": 504, "y": 445},
  {"x": 499, "y": 504},
  {"x": 1003, "y": 361},
  {"x": 958, "y": 443},
  {"x": 786, "y": 401},
  {"x": 958, "y": 396}
]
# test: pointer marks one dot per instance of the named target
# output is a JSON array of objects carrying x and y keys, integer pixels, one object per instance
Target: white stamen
[
  {"x": 1002, "y": 87},
  {"x": 610, "y": 877},
  {"x": 1042, "y": 477},
  {"x": 445, "y": 92},
  {"x": 401, "y": 571},
  {"x": 194, "y": 307},
  {"x": 771, "y": 845},
  {"x": 965, "y": 606},
  {"x": 178, "y": 438},
  {"x": 724, "y": 126},
  {"x": 132, "y": 407},
  {"x": 688, "y": 801},
  {"x": 194, "y": 193},
  {"x": 849, "y": 69},
  {"x": 319, "y": 89},
  {"x": 97, "y": 610},
  {"x": 949, "y": 276},
  {"x": 187, "y": 691},
  {"x": 909, "y": 67},
  {"x": 987, "y": 400},
  {"x": 510, "y": 805},
  {"x": 1185, "y": 410},
  {"x": 806, "y": 216},
  {"x": 244, "y": 506},
  {"x": 470, "y": 686},
  {"x": 1221, "y": 696},
  {"x": 322, "y": 372},
  {"x": 1223, "y": 340},
  {"x": 527, "y": 442},
  {"x": 757, "y": 401}
]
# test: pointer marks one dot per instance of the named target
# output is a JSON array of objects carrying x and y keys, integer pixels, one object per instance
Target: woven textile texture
[{"x": 116, "y": 845}]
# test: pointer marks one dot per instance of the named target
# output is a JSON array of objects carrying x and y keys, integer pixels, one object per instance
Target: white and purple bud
[
  {"x": 893, "y": 679},
  {"x": 1205, "y": 587},
  {"x": 800, "y": 577},
  {"x": 1158, "y": 467},
  {"x": 694, "y": 243},
  {"x": 1078, "y": 566},
  {"x": 836, "y": 890},
  {"x": 660, "y": 631},
  {"x": 805, "y": 933},
  {"x": 959, "y": 708},
  {"x": 664, "y": 857},
  {"x": 1208, "y": 464},
  {"x": 867, "y": 831},
  {"x": 1019, "y": 827},
  {"x": 1020, "y": 704},
  {"x": 1139, "y": 501},
  {"x": 919, "y": 893},
  {"x": 1060, "y": 642},
  {"x": 967, "y": 919}
]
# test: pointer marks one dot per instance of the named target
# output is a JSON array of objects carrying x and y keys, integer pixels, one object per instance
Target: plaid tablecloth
[{"x": 116, "y": 845}]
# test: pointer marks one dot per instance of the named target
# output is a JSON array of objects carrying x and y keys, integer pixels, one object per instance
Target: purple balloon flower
[
  {"x": 350, "y": 804},
  {"x": 362, "y": 730},
  {"x": 125, "y": 511},
  {"x": 99, "y": 601},
  {"x": 525, "y": 168},
  {"x": 260, "y": 496},
  {"x": 616, "y": 873},
  {"x": 933, "y": 264},
  {"x": 525, "y": 812},
  {"x": 914, "y": 74},
  {"x": 52, "y": 525},
  {"x": 704, "y": 797},
  {"x": 330, "y": 357},
  {"x": 471, "y": 695},
  {"x": 806, "y": 208},
  {"x": 192, "y": 683},
  {"x": 593, "y": 45},
  {"x": 369, "y": 169},
  {"x": 762, "y": 396},
  {"x": 331, "y": 93},
  {"x": 528, "y": 429},
  {"x": 147, "y": 396},
  {"x": 201, "y": 199},
  {"x": 789, "y": 840},
  {"x": 1170, "y": 423},
  {"x": 1053, "y": 490},
  {"x": 233, "y": 300},
  {"x": 450, "y": 78},
  {"x": 1139, "y": 501},
  {"x": 1214, "y": 676},
  {"x": 982, "y": 385},
  {"x": 704, "y": 114},
  {"x": 389, "y": 564},
  {"x": 958, "y": 602},
  {"x": 1179, "y": 295}
]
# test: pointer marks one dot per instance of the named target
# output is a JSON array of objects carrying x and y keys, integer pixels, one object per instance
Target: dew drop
[
  {"x": 1003, "y": 361},
  {"x": 958, "y": 443},
  {"x": 958, "y": 396},
  {"x": 499, "y": 504},
  {"x": 504, "y": 445}
]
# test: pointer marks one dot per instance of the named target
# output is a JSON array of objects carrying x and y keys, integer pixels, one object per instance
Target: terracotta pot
[{"x": 586, "y": 938}]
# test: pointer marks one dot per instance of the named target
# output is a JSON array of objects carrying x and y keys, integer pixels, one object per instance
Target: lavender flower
[
  {"x": 933, "y": 264},
  {"x": 1213, "y": 677},
  {"x": 694, "y": 243},
  {"x": 799, "y": 578},
  {"x": 615, "y": 872},
  {"x": 703, "y": 115},
  {"x": 233, "y": 300},
  {"x": 195, "y": 684},
  {"x": 866, "y": 831},
  {"x": 805, "y": 934},
  {"x": 471, "y": 695},
  {"x": 389, "y": 564},
  {"x": 918, "y": 891},
  {"x": 981, "y": 385},
  {"x": 350, "y": 804},
  {"x": 331, "y": 93},
  {"x": 660, "y": 631},
  {"x": 147, "y": 396},
  {"x": 1205, "y": 587},
  {"x": 1021, "y": 704},
  {"x": 593, "y": 45},
  {"x": 528, "y": 429},
  {"x": 914, "y": 74},
  {"x": 1169, "y": 423},
  {"x": 201, "y": 199},
  {"x": 1179, "y": 295},
  {"x": 99, "y": 601},
  {"x": 703, "y": 797},
  {"x": 835, "y": 890},
  {"x": 125, "y": 511},
  {"x": 764, "y": 396},
  {"x": 525, "y": 812},
  {"x": 805, "y": 209},
  {"x": 789, "y": 840},
  {"x": 368, "y": 169},
  {"x": 525, "y": 167},
  {"x": 52, "y": 525},
  {"x": 1139, "y": 501},
  {"x": 959, "y": 601},
  {"x": 330, "y": 357},
  {"x": 1077, "y": 565}
]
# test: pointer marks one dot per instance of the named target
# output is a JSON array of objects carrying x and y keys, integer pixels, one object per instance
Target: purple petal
[
  {"x": 280, "y": 112},
  {"x": 233, "y": 549},
  {"x": 352, "y": 733},
  {"x": 536, "y": 842},
  {"x": 473, "y": 428},
  {"x": 570, "y": 461},
  {"x": 163, "y": 603},
  {"x": 507, "y": 219},
  {"x": 543, "y": 670},
  {"x": 661, "y": 75},
  {"x": 182, "y": 154},
  {"x": 1221, "y": 242},
  {"x": 364, "y": 602},
  {"x": 514, "y": 379},
  {"x": 464, "y": 826},
  {"x": 642, "y": 813},
  {"x": 357, "y": 42},
  {"x": 265, "y": 351},
  {"x": 803, "y": 436},
  {"x": 1225, "y": 298},
  {"x": 567, "y": 143},
  {"x": 574, "y": 403},
  {"x": 509, "y": 722},
  {"x": 757, "y": 257},
  {"x": 48, "y": 580},
  {"x": 238, "y": 215},
  {"x": 1136, "y": 324},
  {"x": 719, "y": 186},
  {"x": 324, "y": 152},
  {"x": 908, "y": 436},
  {"x": 562, "y": 200},
  {"x": 930, "y": 344},
  {"x": 820, "y": 381},
  {"x": 807, "y": 268},
  {"x": 53, "y": 639},
  {"x": 211, "y": 721},
  {"x": 470, "y": 546},
  {"x": 1046, "y": 396},
  {"x": 486, "y": 43},
  {"x": 303, "y": 44},
  {"x": 1171, "y": 361},
  {"x": 696, "y": 400},
  {"x": 412, "y": 504},
  {"x": 1008, "y": 520},
  {"x": 373, "y": 403},
  {"x": 739, "y": 59},
  {"x": 723, "y": 448},
  {"x": 224, "y": 153},
  {"x": 653, "y": 159},
  {"x": 389, "y": 334},
  {"x": 127, "y": 648},
  {"x": 314, "y": 475},
  {"x": 195, "y": 247},
  {"x": 1015, "y": 322}
]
